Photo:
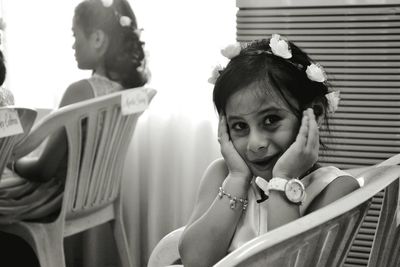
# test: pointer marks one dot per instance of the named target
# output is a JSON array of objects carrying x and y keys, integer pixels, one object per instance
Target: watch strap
[{"x": 277, "y": 184}]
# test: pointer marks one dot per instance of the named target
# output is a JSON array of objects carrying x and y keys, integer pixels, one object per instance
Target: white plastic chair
[
  {"x": 321, "y": 238},
  {"x": 98, "y": 137}
]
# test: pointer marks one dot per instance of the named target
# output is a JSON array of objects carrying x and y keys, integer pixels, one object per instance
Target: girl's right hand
[
  {"x": 236, "y": 165},
  {"x": 303, "y": 153}
]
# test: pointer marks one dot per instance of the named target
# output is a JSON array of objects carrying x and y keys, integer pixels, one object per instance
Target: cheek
[
  {"x": 285, "y": 138},
  {"x": 240, "y": 144}
]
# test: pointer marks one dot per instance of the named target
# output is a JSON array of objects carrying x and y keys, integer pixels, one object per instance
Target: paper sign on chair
[{"x": 134, "y": 101}]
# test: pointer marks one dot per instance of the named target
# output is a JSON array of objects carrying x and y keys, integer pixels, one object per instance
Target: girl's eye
[
  {"x": 271, "y": 119},
  {"x": 239, "y": 126}
]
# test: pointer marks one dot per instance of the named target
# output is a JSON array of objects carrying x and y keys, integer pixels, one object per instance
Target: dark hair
[
  {"x": 256, "y": 63},
  {"x": 125, "y": 52},
  {"x": 2, "y": 68}
]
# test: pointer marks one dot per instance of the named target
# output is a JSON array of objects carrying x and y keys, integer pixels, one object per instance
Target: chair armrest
[
  {"x": 166, "y": 251},
  {"x": 293, "y": 234}
]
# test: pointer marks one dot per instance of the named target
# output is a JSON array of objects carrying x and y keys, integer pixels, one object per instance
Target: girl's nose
[{"x": 257, "y": 141}]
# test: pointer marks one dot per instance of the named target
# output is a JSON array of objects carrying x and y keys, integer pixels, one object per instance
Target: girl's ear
[{"x": 99, "y": 40}]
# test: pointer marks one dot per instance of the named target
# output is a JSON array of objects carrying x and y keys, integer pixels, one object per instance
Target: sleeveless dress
[
  {"x": 6, "y": 97},
  {"x": 253, "y": 222},
  {"x": 22, "y": 199}
]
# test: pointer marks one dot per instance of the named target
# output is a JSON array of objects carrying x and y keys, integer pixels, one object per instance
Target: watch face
[{"x": 295, "y": 191}]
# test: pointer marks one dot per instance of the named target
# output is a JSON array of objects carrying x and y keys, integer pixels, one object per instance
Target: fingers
[
  {"x": 223, "y": 135},
  {"x": 308, "y": 136},
  {"x": 301, "y": 138},
  {"x": 313, "y": 132}
]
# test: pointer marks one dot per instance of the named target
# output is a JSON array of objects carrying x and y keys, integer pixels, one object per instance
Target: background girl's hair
[
  {"x": 125, "y": 51},
  {"x": 2, "y": 68}
]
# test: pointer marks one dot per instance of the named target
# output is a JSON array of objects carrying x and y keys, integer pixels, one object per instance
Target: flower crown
[
  {"x": 280, "y": 47},
  {"x": 124, "y": 21}
]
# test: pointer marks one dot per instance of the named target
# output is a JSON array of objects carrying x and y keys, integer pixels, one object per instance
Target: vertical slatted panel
[{"x": 359, "y": 47}]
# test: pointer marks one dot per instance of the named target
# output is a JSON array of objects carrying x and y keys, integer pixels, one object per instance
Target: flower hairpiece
[
  {"x": 215, "y": 74},
  {"x": 316, "y": 73},
  {"x": 107, "y": 3},
  {"x": 138, "y": 32},
  {"x": 125, "y": 21},
  {"x": 143, "y": 68},
  {"x": 333, "y": 99},
  {"x": 280, "y": 47},
  {"x": 231, "y": 50}
]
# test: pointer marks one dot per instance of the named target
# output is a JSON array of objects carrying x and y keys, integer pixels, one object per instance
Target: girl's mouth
[{"x": 264, "y": 163}]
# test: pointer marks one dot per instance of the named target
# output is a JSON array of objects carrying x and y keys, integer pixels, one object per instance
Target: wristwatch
[{"x": 294, "y": 189}]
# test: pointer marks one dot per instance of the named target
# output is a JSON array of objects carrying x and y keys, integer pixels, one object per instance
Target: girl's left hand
[
  {"x": 236, "y": 165},
  {"x": 303, "y": 153}
]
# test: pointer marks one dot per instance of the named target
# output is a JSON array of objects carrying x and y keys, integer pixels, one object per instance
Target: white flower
[
  {"x": 280, "y": 47},
  {"x": 144, "y": 66},
  {"x": 125, "y": 21},
  {"x": 333, "y": 101},
  {"x": 231, "y": 50},
  {"x": 107, "y": 3},
  {"x": 316, "y": 73},
  {"x": 138, "y": 32},
  {"x": 215, "y": 74}
]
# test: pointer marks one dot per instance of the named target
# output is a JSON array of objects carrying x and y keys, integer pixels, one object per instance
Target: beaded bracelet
[{"x": 232, "y": 200}]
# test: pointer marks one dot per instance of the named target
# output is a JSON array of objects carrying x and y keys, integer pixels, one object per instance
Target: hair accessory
[
  {"x": 107, "y": 3},
  {"x": 215, "y": 74},
  {"x": 333, "y": 101},
  {"x": 233, "y": 200},
  {"x": 231, "y": 50},
  {"x": 138, "y": 32},
  {"x": 125, "y": 21},
  {"x": 280, "y": 47},
  {"x": 316, "y": 73},
  {"x": 144, "y": 68}
]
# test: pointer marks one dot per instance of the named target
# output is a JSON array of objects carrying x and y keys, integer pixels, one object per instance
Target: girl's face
[
  {"x": 261, "y": 127},
  {"x": 84, "y": 50}
]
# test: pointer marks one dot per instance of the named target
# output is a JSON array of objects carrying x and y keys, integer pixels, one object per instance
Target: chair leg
[
  {"x": 121, "y": 242},
  {"x": 45, "y": 240}
]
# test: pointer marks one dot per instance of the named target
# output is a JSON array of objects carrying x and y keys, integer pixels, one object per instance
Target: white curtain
[{"x": 175, "y": 139}]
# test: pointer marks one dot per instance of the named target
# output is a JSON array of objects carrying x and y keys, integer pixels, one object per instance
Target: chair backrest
[
  {"x": 321, "y": 238},
  {"x": 98, "y": 138},
  {"x": 27, "y": 117}
]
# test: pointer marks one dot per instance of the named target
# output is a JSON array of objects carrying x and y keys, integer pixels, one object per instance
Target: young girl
[
  {"x": 107, "y": 41},
  {"x": 271, "y": 99}
]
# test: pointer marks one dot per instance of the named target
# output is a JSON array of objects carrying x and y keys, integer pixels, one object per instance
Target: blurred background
[{"x": 175, "y": 139}]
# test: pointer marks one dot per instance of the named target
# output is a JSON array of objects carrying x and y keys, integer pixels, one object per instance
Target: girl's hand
[
  {"x": 303, "y": 153},
  {"x": 236, "y": 165}
]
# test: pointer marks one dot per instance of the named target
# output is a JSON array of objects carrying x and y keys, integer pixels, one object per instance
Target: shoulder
[
  {"x": 339, "y": 187},
  {"x": 76, "y": 92},
  {"x": 212, "y": 179}
]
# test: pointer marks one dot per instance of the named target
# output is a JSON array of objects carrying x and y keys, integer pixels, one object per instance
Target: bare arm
[
  {"x": 211, "y": 227},
  {"x": 54, "y": 155},
  {"x": 209, "y": 232},
  {"x": 338, "y": 188}
]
